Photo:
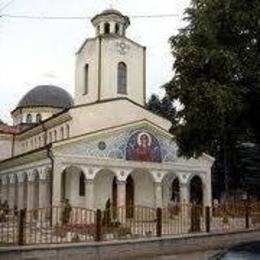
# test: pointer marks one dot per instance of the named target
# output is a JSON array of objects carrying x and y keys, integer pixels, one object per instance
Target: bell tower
[{"x": 110, "y": 65}]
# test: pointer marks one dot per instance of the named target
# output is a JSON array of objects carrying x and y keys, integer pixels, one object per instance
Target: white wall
[
  {"x": 111, "y": 56},
  {"x": 5, "y": 146}
]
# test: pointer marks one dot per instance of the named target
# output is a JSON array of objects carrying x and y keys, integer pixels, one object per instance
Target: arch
[
  {"x": 130, "y": 197},
  {"x": 62, "y": 133},
  {"x": 103, "y": 181},
  {"x": 72, "y": 180},
  {"x": 175, "y": 190},
  {"x": 114, "y": 197},
  {"x": 196, "y": 190},
  {"x": 143, "y": 192},
  {"x": 67, "y": 131},
  {"x": 170, "y": 189},
  {"x": 117, "y": 27},
  {"x": 106, "y": 28},
  {"x": 82, "y": 184},
  {"x": 38, "y": 118},
  {"x": 121, "y": 78},
  {"x": 29, "y": 118}
]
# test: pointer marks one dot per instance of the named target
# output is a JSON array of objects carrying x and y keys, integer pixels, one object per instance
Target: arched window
[
  {"x": 38, "y": 118},
  {"x": 55, "y": 135},
  {"x": 117, "y": 28},
  {"x": 62, "y": 133},
  {"x": 86, "y": 73},
  {"x": 50, "y": 137},
  {"x": 122, "y": 78},
  {"x": 107, "y": 28},
  {"x": 67, "y": 131},
  {"x": 82, "y": 184},
  {"x": 29, "y": 119}
]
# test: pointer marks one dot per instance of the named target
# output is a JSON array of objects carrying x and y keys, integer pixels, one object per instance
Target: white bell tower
[{"x": 110, "y": 65}]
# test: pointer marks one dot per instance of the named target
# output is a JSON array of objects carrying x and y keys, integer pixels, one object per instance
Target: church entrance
[
  {"x": 129, "y": 197},
  {"x": 175, "y": 188},
  {"x": 196, "y": 190}
]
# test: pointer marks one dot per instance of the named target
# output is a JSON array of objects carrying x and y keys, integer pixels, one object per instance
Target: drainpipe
[
  {"x": 51, "y": 157},
  {"x": 13, "y": 145}
]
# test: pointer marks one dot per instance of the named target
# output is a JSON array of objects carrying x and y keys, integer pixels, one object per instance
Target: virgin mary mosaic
[{"x": 143, "y": 146}]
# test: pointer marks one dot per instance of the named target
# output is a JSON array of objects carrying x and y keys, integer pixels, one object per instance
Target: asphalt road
[{"x": 190, "y": 256}]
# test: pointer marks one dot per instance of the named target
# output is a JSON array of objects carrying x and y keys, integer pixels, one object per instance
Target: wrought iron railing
[{"x": 73, "y": 224}]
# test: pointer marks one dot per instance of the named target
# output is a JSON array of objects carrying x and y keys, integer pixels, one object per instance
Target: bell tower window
[
  {"x": 86, "y": 76},
  {"x": 107, "y": 28},
  {"x": 122, "y": 78}
]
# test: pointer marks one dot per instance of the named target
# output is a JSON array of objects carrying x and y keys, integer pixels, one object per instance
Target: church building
[{"x": 102, "y": 144}]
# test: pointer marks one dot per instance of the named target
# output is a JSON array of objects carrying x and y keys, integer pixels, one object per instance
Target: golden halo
[{"x": 148, "y": 137}]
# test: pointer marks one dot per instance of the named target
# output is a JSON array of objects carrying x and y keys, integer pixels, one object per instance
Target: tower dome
[
  {"x": 46, "y": 96},
  {"x": 41, "y": 103},
  {"x": 110, "y": 21}
]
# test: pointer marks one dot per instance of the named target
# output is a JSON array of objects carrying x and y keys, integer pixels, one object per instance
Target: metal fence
[{"x": 73, "y": 224}]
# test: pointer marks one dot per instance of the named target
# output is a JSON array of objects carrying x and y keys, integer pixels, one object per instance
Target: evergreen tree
[{"x": 217, "y": 80}]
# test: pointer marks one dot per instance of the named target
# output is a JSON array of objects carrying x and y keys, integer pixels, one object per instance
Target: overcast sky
[{"x": 34, "y": 52}]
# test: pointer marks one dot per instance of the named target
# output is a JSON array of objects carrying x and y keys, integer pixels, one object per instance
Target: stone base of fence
[{"x": 129, "y": 249}]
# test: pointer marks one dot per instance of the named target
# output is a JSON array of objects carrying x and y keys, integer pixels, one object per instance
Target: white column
[
  {"x": 121, "y": 203},
  {"x": 121, "y": 193},
  {"x": 30, "y": 194},
  {"x": 20, "y": 203},
  {"x": 11, "y": 195},
  {"x": 89, "y": 191},
  {"x": 158, "y": 194},
  {"x": 56, "y": 184},
  {"x": 44, "y": 193},
  {"x": 184, "y": 193},
  {"x": 4, "y": 189}
]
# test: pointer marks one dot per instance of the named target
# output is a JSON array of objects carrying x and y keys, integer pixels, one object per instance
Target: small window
[
  {"x": 82, "y": 184},
  {"x": 40, "y": 141},
  {"x": 67, "y": 131},
  {"x": 29, "y": 119},
  {"x": 50, "y": 137},
  {"x": 107, "y": 28},
  {"x": 117, "y": 29},
  {"x": 122, "y": 78},
  {"x": 55, "y": 135},
  {"x": 86, "y": 76},
  {"x": 62, "y": 133},
  {"x": 38, "y": 118}
]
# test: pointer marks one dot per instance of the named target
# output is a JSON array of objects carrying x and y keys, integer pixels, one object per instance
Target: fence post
[
  {"x": 247, "y": 213},
  {"x": 159, "y": 222},
  {"x": 207, "y": 218},
  {"x": 98, "y": 225},
  {"x": 21, "y": 225}
]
